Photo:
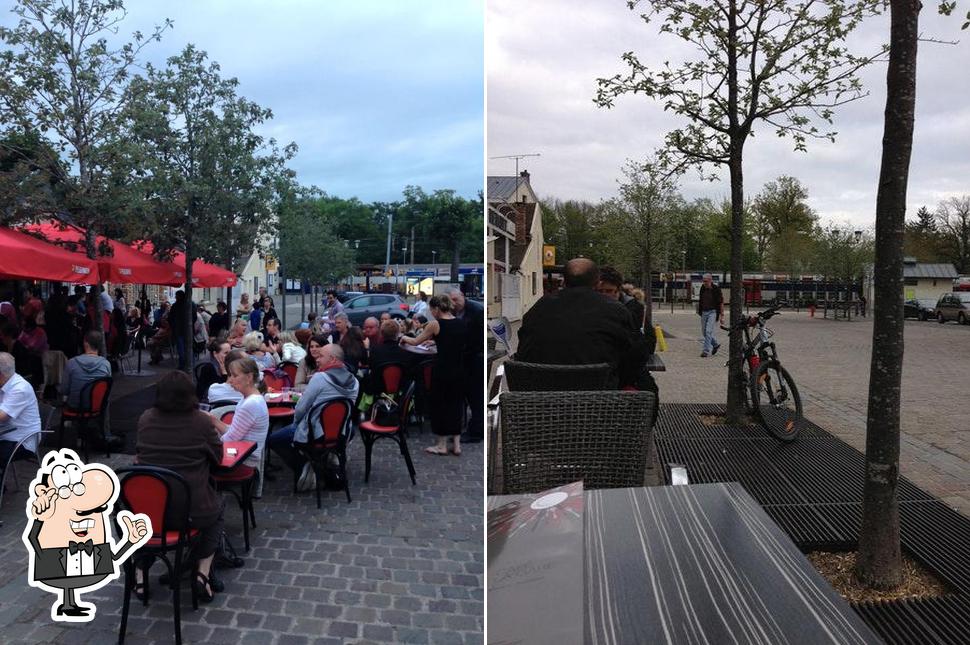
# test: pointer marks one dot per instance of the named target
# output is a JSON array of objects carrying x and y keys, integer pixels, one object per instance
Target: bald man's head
[{"x": 581, "y": 272}]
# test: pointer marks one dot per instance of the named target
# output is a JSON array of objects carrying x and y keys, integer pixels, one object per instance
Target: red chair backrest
[
  {"x": 99, "y": 395},
  {"x": 392, "y": 375},
  {"x": 290, "y": 369},
  {"x": 274, "y": 381},
  {"x": 334, "y": 416},
  {"x": 146, "y": 494}
]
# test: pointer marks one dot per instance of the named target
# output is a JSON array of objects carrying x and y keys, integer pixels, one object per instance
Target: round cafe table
[{"x": 422, "y": 350}]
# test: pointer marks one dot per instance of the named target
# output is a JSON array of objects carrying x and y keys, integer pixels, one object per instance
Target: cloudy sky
[
  {"x": 377, "y": 95},
  {"x": 543, "y": 59}
]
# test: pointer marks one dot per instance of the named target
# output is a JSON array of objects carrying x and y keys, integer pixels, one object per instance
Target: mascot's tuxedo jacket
[{"x": 52, "y": 563}]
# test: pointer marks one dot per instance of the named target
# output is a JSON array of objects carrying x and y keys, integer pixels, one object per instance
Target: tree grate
[
  {"x": 813, "y": 489},
  {"x": 924, "y": 621}
]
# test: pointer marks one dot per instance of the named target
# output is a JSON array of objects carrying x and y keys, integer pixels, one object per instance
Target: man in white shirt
[{"x": 19, "y": 416}]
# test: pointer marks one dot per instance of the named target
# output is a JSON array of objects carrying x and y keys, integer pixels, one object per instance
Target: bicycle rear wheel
[{"x": 776, "y": 401}]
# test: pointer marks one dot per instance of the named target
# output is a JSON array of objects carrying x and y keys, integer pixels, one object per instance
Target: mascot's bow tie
[{"x": 87, "y": 546}]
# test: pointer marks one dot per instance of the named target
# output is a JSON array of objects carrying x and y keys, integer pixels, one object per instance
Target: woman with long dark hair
[{"x": 308, "y": 366}]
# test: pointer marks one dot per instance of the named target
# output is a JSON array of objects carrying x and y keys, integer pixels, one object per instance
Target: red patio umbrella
[
  {"x": 203, "y": 273},
  {"x": 126, "y": 266},
  {"x": 23, "y": 256}
]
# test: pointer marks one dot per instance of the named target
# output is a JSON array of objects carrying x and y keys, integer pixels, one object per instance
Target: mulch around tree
[{"x": 837, "y": 568}]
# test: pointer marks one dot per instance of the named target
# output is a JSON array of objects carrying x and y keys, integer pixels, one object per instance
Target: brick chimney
[
  {"x": 520, "y": 219},
  {"x": 523, "y": 175}
]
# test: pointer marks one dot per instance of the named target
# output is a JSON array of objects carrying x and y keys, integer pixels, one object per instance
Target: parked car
[
  {"x": 344, "y": 296},
  {"x": 361, "y": 307},
  {"x": 922, "y": 308},
  {"x": 954, "y": 306}
]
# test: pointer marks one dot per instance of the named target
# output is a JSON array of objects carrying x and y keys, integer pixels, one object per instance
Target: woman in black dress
[{"x": 447, "y": 396}]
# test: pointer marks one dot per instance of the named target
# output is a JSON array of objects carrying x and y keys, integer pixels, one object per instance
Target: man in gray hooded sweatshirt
[
  {"x": 84, "y": 368},
  {"x": 331, "y": 381}
]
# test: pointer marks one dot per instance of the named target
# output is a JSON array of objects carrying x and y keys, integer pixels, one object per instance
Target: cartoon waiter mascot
[{"x": 68, "y": 535}]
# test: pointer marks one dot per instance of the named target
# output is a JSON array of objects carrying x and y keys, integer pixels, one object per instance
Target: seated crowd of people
[{"x": 326, "y": 358}]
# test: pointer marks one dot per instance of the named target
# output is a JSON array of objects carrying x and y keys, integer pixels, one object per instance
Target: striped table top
[{"x": 702, "y": 564}]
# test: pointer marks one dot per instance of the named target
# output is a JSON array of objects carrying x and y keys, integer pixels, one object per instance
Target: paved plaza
[
  {"x": 399, "y": 564},
  {"x": 830, "y": 361}
]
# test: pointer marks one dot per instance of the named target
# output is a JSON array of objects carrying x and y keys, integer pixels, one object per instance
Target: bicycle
[{"x": 771, "y": 393}]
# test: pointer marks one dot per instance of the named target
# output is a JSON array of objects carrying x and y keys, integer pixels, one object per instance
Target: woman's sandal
[
  {"x": 141, "y": 592},
  {"x": 435, "y": 450},
  {"x": 199, "y": 585},
  {"x": 455, "y": 452}
]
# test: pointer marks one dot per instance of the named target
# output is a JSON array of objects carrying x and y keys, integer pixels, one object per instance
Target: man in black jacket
[{"x": 578, "y": 326}]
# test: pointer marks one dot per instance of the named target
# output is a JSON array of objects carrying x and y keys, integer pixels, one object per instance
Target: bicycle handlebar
[{"x": 751, "y": 321}]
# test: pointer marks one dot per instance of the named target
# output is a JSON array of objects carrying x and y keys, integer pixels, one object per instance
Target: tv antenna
[
  {"x": 517, "y": 157},
  {"x": 518, "y": 178}
]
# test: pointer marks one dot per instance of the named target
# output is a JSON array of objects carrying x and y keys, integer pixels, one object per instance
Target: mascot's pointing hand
[{"x": 44, "y": 506}]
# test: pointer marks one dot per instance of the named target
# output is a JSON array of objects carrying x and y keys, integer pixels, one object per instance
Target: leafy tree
[
  {"x": 31, "y": 177},
  {"x": 922, "y": 238},
  {"x": 953, "y": 222},
  {"x": 208, "y": 176},
  {"x": 356, "y": 222},
  {"x": 781, "y": 63},
  {"x": 444, "y": 216},
  {"x": 783, "y": 217},
  {"x": 309, "y": 245},
  {"x": 59, "y": 77},
  {"x": 572, "y": 227},
  {"x": 647, "y": 194}
]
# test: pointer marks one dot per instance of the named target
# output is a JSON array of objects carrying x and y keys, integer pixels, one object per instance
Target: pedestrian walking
[{"x": 710, "y": 307}]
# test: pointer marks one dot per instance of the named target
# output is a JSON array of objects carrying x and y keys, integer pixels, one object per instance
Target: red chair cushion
[
  {"x": 370, "y": 426},
  {"x": 77, "y": 414},
  {"x": 171, "y": 538},
  {"x": 238, "y": 474}
]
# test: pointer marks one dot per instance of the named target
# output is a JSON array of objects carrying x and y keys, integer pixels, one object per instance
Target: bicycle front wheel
[{"x": 775, "y": 399}]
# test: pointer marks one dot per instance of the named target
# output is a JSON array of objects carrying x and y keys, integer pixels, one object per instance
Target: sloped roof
[
  {"x": 944, "y": 271},
  {"x": 501, "y": 188}
]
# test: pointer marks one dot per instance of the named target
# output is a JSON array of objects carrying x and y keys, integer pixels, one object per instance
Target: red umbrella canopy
[
  {"x": 203, "y": 273},
  {"x": 126, "y": 266},
  {"x": 23, "y": 256}
]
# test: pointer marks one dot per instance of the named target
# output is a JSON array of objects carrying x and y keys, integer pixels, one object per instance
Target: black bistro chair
[
  {"x": 93, "y": 407},
  {"x": 149, "y": 490},
  {"x": 336, "y": 421},
  {"x": 370, "y": 432}
]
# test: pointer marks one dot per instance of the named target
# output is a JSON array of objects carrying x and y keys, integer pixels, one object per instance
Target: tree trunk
[
  {"x": 455, "y": 260},
  {"x": 736, "y": 384},
  {"x": 878, "y": 563},
  {"x": 302, "y": 299},
  {"x": 735, "y": 397},
  {"x": 189, "y": 338}
]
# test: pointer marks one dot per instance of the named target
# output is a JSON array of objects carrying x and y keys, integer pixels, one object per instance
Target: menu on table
[{"x": 535, "y": 568}]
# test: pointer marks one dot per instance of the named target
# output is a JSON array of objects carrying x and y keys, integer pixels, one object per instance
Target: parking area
[{"x": 830, "y": 363}]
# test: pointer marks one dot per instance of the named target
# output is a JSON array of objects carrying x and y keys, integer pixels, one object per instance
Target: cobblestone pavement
[
  {"x": 401, "y": 564},
  {"x": 830, "y": 361}
]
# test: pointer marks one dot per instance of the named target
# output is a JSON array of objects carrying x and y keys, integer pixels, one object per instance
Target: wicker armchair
[
  {"x": 549, "y": 440},
  {"x": 538, "y": 377}
]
